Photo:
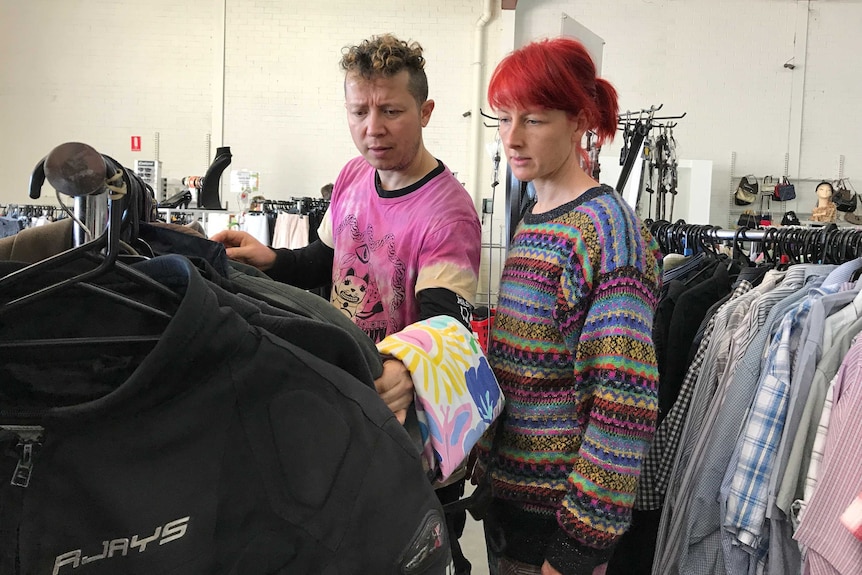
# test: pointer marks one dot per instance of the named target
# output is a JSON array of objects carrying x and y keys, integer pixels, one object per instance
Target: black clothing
[
  {"x": 442, "y": 301},
  {"x": 164, "y": 240},
  {"x": 636, "y": 549},
  {"x": 532, "y": 539},
  {"x": 690, "y": 309},
  {"x": 308, "y": 267},
  {"x": 241, "y": 278},
  {"x": 224, "y": 449},
  {"x": 455, "y": 523},
  {"x": 661, "y": 327}
]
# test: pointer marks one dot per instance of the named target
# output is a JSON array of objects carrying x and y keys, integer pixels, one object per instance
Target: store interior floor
[{"x": 473, "y": 543}]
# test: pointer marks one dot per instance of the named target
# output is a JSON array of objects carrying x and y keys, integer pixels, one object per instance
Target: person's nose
[
  {"x": 511, "y": 136},
  {"x": 375, "y": 125}
]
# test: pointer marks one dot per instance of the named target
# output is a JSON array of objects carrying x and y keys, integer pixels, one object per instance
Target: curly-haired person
[{"x": 401, "y": 239}]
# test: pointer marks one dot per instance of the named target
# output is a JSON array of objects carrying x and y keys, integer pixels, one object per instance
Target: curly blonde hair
[{"x": 385, "y": 56}]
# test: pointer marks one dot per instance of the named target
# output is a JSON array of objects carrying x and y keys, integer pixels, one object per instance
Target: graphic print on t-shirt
[
  {"x": 368, "y": 285},
  {"x": 352, "y": 293}
]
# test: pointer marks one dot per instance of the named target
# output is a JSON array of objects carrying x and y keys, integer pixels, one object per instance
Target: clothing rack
[
  {"x": 784, "y": 245},
  {"x": 294, "y": 205},
  {"x": 32, "y": 210},
  {"x": 636, "y": 127}
]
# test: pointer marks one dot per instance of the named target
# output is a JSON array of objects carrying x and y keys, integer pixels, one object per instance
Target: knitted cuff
[{"x": 572, "y": 558}]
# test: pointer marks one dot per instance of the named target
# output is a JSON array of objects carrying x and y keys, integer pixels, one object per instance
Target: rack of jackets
[
  {"x": 187, "y": 414},
  {"x": 757, "y": 454}
]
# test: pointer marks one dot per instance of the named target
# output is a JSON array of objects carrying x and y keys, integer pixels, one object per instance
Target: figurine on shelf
[{"x": 824, "y": 211}]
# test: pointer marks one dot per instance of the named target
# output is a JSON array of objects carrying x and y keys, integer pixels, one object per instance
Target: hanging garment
[
  {"x": 258, "y": 226},
  {"x": 291, "y": 231},
  {"x": 225, "y": 449},
  {"x": 784, "y": 556},
  {"x": 8, "y": 227},
  {"x": 831, "y": 547},
  {"x": 166, "y": 239},
  {"x": 690, "y": 309},
  {"x": 745, "y": 488},
  {"x": 691, "y": 512},
  {"x": 790, "y": 498},
  {"x": 36, "y": 244}
]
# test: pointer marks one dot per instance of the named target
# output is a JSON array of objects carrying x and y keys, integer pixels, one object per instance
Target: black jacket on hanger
[
  {"x": 690, "y": 309},
  {"x": 225, "y": 449}
]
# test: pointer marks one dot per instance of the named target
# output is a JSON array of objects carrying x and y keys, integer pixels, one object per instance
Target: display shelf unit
[{"x": 805, "y": 197}]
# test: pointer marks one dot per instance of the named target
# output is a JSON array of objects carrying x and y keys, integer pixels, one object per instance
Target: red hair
[{"x": 556, "y": 74}]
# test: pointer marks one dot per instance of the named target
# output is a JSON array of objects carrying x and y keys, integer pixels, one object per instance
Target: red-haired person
[{"x": 572, "y": 340}]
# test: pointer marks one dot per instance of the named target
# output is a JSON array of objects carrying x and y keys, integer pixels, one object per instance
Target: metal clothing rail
[
  {"x": 787, "y": 244},
  {"x": 712, "y": 234},
  {"x": 772, "y": 233}
]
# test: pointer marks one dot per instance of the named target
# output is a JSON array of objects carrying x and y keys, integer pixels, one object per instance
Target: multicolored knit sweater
[{"x": 572, "y": 349}]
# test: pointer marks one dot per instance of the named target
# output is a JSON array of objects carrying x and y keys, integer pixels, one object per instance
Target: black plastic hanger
[{"x": 102, "y": 251}]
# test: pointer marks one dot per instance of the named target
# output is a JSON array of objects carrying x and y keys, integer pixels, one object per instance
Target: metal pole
[{"x": 92, "y": 211}]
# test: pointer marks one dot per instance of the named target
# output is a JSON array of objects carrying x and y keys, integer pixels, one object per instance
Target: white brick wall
[
  {"x": 284, "y": 96},
  {"x": 283, "y": 99},
  {"x": 100, "y": 71}
]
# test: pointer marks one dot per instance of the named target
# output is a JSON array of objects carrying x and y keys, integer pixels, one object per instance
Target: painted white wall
[
  {"x": 722, "y": 62},
  {"x": 100, "y": 71}
]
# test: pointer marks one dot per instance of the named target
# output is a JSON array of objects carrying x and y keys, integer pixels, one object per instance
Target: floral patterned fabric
[{"x": 456, "y": 394}]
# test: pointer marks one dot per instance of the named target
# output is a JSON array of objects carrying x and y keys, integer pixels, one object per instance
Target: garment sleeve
[
  {"x": 441, "y": 301},
  {"x": 449, "y": 258},
  {"x": 307, "y": 268},
  {"x": 605, "y": 313}
]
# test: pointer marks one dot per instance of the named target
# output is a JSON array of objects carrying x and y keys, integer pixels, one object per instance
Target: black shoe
[{"x": 180, "y": 200}]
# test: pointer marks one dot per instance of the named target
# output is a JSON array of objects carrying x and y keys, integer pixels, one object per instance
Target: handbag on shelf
[
  {"x": 767, "y": 184},
  {"x": 790, "y": 219},
  {"x": 844, "y": 196},
  {"x": 853, "y": 218},
  {"x": 746, "y": 191},
  {"x": 784, "y": 191},
  {"x": 747, "y": 219}
]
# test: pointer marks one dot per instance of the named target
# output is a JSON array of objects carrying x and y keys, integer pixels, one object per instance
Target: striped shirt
[{"x": 831, "y": 547}]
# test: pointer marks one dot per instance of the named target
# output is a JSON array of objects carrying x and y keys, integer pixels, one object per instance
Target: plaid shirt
[
  {"x": 691, "y": 504},
  {"x": 748, "y": 494}
]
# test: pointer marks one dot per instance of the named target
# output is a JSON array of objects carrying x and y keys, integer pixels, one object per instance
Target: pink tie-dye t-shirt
[{"x": 388, "y": 249}]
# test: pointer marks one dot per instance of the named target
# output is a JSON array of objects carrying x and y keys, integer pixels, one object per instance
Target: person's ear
[
  {"x": 580, "y": 125},
  {"x": 583, "y": 121},
  {"x": 425, "y": 111}
]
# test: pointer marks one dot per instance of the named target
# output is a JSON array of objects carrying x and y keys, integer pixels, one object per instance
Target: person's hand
[
  {"x": 244, "y": 248},
  {"x": 395, "y": 387}
]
